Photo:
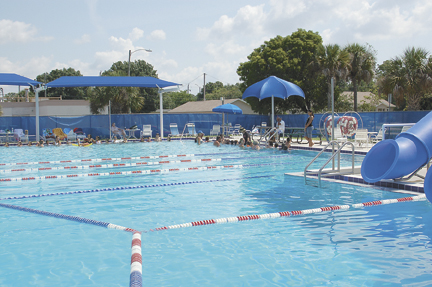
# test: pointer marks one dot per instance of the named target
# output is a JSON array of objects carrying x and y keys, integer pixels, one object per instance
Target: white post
[
  {"x": 333, "y": 123},
  {"x": 272, "y": 121},
  {"x": 37, "y": 112},
  {"x": 161, "y": 112},
  {"x": 109, "y": 116}
]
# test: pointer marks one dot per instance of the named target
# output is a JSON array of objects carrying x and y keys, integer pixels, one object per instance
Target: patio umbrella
[
  {"x": 273, "y": 87},
  {"x": 227, "y": 109}
]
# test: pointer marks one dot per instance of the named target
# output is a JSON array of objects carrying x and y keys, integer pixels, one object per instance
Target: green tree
[
  {"x": 125, "y": 99},
  {"x": 287, "y": 58},
  {"x": 361, "y": 66},
  {"x": 333, "y": 62},
  {"x": 408, "y": 77},
  {"x": 175, "y": 99},
  {"x": 65, "y": 93},
  {"x": 224, "y": 91},
  {"x": 210, "y": 87}
]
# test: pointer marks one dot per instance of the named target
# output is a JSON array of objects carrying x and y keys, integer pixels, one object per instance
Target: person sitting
[
  {"x": 19, "y": 144},
  {"x": 118, "y": 131},
  {"x": 168, "y": 138},
  {"x": 125, "y": 140},
  {"x": 254, "y": 145},
  {"x": 29, "y": 143},
  {"x": 142, "y": 139},
  {"x": 6, "y": 144},
  {"x": 57, "y": 141},
  {"x": 97, "y": 141}
]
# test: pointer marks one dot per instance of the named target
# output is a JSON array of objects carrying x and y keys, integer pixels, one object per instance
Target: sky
[{"x": 191, "y": 37}]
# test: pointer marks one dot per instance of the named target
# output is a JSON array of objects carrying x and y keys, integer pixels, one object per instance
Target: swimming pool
[{"x": 378, "y": 245}]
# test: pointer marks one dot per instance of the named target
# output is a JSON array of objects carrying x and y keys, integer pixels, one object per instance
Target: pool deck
[{"x": 413, "y": 185}]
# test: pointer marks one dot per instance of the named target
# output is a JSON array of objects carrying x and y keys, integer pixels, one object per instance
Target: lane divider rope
[
  {"x": 133, "y": 172},
  {"x": 69, "y": 217},
  {"x": 122, "y": 165},
  {"x": 136, "y": 261},
  {"x": 289, "y": 213},
  {"x": 114, "y": 159},
  {"x": 133, "y": 187}
]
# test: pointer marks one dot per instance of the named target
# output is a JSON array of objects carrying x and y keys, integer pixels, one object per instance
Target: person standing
[
  {"x": 280, "y": 124},
  {"x": 309, "y": 128}
]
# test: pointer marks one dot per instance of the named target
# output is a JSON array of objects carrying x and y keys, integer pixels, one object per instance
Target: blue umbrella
[
  {"x": 228, "y": 109},
  {"x": 273, "y": 87}
]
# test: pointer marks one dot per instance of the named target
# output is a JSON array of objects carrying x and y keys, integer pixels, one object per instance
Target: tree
[
  {"x": 65, "y": 93},
  {"x": 408, "y": 77},
  {"x": 333, "y": 62},
  {"x": 218, "y": 90},
  {"x": 361, "y": 66},
  {"x": 210, "y": 88},
  {"x": 175, "y": 99},
  {"x": 125, "y": 99},
  {"x": 287, "y": 58}
]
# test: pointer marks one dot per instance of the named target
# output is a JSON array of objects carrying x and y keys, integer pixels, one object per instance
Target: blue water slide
[{"x": 410, "y": 150}]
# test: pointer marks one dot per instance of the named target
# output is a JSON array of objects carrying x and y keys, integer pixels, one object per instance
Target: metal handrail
[{"x": 337, "y": 152}]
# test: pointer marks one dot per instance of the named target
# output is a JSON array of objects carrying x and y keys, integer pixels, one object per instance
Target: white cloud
[
  {"x": 158, "y": 35},
  {"x": 15, "y": 31},
  {"x": 136, "y": 34},
  {"x": 84, "y": 39}
]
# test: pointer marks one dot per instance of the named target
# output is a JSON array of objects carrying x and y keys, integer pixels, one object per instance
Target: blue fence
[{"x": 98, "y": 125}]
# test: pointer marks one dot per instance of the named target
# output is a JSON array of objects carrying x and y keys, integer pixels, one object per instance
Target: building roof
[
  {"x": 364, "y": 97},
  {"x": 207, "y": 106}
]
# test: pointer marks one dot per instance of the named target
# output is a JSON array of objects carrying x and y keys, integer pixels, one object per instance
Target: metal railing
[{"x": 332, "y": 158}]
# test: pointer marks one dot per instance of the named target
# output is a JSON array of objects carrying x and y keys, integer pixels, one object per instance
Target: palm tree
[
  {"x": 333, "y": 62},
  {"x": 408, "y": 76},
  {"x": 362, "y": 66}
]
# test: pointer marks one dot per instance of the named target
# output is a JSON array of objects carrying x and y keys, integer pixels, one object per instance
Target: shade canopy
[
  {"x": 272, "y": 87},
  {"x": 16, "y": 80},
  {"x": 96, "y": 81},
  {"x": 228, "y": 109}
]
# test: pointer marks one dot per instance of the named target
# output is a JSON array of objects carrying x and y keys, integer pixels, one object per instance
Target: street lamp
[
  {"x": 199, "y": 88},
  {"x": 130, "y": 54}
]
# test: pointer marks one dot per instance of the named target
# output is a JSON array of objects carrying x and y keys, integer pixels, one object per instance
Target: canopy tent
[
  {"x": 97, "y": 81},
  {"x": 10, "y": 79}
]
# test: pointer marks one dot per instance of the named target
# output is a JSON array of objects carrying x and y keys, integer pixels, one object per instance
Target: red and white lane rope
[
  {"x": 112, "y": 159},
  {"x": 136, "y": 261},
  {"x": 151, "y": 171},
  {"x": 289, "y": 213},
  {"x": 108, "y": 165}
]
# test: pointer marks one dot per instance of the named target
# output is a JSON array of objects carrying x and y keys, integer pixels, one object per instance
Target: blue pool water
[{"x": 385, "y": 245}]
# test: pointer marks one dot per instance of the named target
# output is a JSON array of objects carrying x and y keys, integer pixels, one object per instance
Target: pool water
[{"x": 380, "y": 245}]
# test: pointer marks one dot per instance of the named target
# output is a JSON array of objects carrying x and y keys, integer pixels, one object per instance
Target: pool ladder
[{"x": 334, "y": 170}]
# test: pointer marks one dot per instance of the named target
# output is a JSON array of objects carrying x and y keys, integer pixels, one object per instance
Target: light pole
[
  {"x": 199, "y": 88},
  {"x": 130, "y": 54}
]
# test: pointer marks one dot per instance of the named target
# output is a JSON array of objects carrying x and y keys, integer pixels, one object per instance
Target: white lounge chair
[
  {"x": 174, "y": 130},
  {"x": 338, "y": 135},
  {"x": 362, "y": 136},
  {"x": 191, "y": 129},
  {"x": 378, "y": 137},
  {"x": 146, "y": 131},
  {"x": 19, "y": 135},
  {"x": 215, "y": 130}
]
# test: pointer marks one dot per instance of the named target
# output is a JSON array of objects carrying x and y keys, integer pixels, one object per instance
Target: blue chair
[{"x": 174, "y": 130}]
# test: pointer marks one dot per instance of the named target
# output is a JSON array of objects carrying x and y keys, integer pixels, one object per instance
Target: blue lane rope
[{"x": 132, "y": 187}]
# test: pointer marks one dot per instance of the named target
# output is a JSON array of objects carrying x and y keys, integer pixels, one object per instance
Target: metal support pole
[
  {"x": 333, "y": 123},
  {"x": 161, "y": 113}
]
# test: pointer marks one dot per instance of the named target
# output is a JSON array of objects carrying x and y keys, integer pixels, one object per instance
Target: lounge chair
[
  {"x": 378, "y": 137},
  {"x": 191, "y": 129},
  {"x": 59, "y": 132},
  {"x": 338, "y": 135},
  {"x": 174, "y": 130},
  {"x": 236, "y": 130},
  {"x": 146, "y": 131},
  {"x": 215, "y": 130},
  {"x": 362, "y": 136},
  {"x": 70, "y": 134},
  {"x": 19, "y": 135}
]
